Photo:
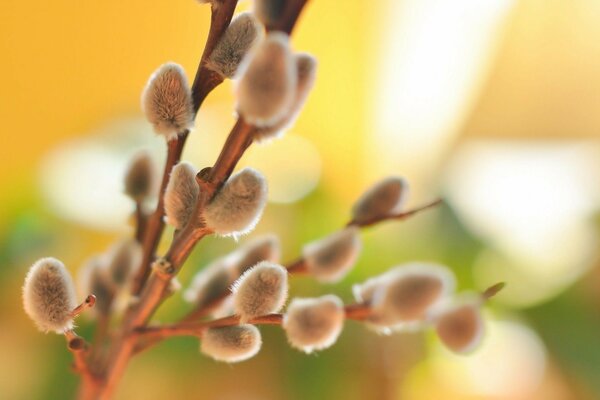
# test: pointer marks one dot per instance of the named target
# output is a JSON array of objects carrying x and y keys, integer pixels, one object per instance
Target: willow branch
[
  {"x": 153, "y": 291},
  {"x": 156, "y": 224},
  {"x": 204, "y": 82},
  {"x": 299, "y": 267}
]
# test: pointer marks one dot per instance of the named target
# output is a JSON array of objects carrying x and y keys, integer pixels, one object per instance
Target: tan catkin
[
  {"x": 266, "y": 90},
  {"x": 139, "y": 177},
  {"x": 459, "y": 324},
  {"x": 410, "y": 291},
  {"x": 181, "y": 194},
  {"x": 236, "y": 208},
  {"x": 167, "y": 101},
  {"x": 314, "y": 324},
  {"x": 384, "y": 198},
  {"x": 306, "y": 67},
  {"x": 231, "y": 343},
  {"x": 261, "y": 290},
  {"x": 123, "y": 258},
  {"x": 329, "y": 259},
  {"x": 243, "y": 32},
  {"x": 49, "y": 295},
  {"x": 93, "y": 278}
]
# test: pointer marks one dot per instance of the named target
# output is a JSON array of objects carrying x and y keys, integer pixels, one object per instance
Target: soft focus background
[{"x": 492, "y": 104}]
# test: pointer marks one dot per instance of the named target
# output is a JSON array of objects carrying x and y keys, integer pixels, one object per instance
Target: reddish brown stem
[
  {"x": 154, "y": 334},
  {"x": 206, "y": 309},
  {"x": 289, "y": 17},
  {"x": 206, "y": 80},
  {"x": 155, "y": 224},
  {"x": 140, "y": 222},
  {"x": 80, "y": 349},
  {"x": 237, "y": 142},
  {"x": 399, "y": 216},
  {"x": 297, "y": 267},
  {"x": 492, "y": 290},
  {"x": 89, "y": 302}
]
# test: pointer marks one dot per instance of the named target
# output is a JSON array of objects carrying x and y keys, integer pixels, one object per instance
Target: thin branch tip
[
  {"x": 493, "y": 290},
  {"x": 89, "y": 302}
]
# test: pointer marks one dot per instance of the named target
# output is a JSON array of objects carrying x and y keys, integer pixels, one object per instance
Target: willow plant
[{"x": 233, "y": 295}]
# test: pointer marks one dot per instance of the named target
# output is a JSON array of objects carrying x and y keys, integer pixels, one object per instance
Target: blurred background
[{"x": 492, "y": 104}]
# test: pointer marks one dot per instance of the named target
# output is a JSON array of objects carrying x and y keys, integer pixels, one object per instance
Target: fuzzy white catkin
[
  {"x": 268, "y": 11},
  {"x": 231, "y": 343},
  {"x": 139, "y": 177},
  {"x": 243, "y": 32},
  {"x": 236, "y": 208},
  {"x": 209, "y": 283},
  {"x": 329, "y": 259},
  {"x": 382, "y": 199},
  {"x": 410, "y": 291},
  {"x": 49, "y": 295},
  {"x": 267, "y": 88},
  {"x": 93, "y": 278},
  {"x": 263, "y": 248},
  {"x": 306, "y": 68},
  {"x": 181, "y": 194},
  {"x": 261, "y": 290},
  {"x": 314, "y": 324},
  {"x": 124, "y": 258},
  {"x": 460, "y": 325},
  {"x": 167, "y": 101}
]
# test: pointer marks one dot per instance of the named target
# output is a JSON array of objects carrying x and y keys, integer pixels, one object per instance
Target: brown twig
[
  {"x": 140, "y": 222},
  {"x": 155, "y": 224},
  {"x": 492, "y": 290},
  {"x": 154, "y": 334},
  {"x": 89, "y": 302},
  {"x": 206, "y": 80},
  {"x": 399, "y": 216},
  {"x": 80, "y": 349},
  {"x": 297, "y": 267},
  {"x": 240, "y": 138},
  {"x": 289, "y": 17}
]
